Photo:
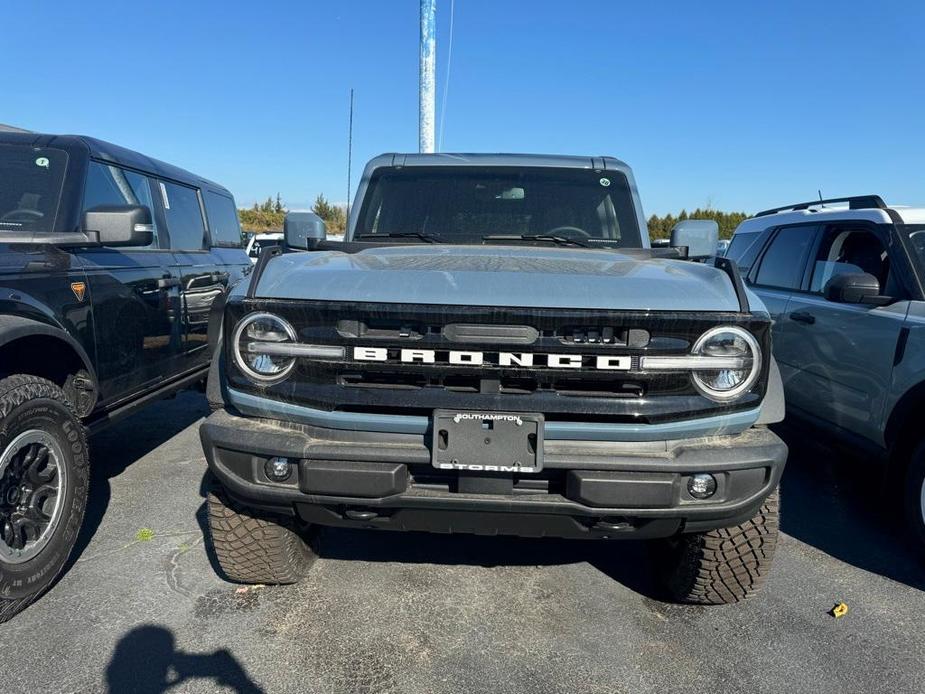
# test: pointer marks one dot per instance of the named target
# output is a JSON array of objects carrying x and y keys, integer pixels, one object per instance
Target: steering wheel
[
  {"x": 566, "y": 230},
  {"x": 22, "y": 216}
]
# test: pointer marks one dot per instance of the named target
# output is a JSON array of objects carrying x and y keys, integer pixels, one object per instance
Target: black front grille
[{"x": 394, "y": 386}]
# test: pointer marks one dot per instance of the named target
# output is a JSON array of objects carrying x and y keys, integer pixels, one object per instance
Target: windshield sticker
[
  {"x": 605, "y": 182},
  {"x": 42, "y": 162},
  {"x": 164, "y": 195}
]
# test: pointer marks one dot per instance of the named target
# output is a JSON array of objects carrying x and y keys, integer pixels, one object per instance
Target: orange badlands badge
[{"x": 79, "y": 289}]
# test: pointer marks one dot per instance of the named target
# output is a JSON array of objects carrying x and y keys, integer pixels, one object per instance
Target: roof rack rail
[{"x": 857, "y": 202}]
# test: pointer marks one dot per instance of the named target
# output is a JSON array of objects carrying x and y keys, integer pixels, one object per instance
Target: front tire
[
  {"x": 44, "y": 482},
  {"x": 255, "y": 547},
  {"x": 726, "y": 565},
  {"x": 915, "y": 493}
]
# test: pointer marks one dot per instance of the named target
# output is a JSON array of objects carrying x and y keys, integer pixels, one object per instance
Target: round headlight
[
  {"x": 738, "y": 362},
  {"x": 254, "y": 339}
]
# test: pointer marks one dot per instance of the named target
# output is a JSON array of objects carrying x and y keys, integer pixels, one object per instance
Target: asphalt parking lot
[{"x": 141, "y": 609}]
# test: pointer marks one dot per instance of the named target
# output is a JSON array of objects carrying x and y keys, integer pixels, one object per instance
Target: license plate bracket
[{"x": 508, "y": 442}]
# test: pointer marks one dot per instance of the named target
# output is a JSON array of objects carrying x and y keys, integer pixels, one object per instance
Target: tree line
[
  {"x": 269, "y": 215},
  {"x": 660, "y": 227}
]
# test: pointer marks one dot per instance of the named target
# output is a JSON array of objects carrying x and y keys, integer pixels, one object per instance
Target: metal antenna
[
  {"x": 446, "y": 79},
  {"x": 349, "y": 157}
]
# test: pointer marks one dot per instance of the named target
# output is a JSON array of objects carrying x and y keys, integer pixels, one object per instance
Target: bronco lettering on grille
[{"x": 509, "y": 359}]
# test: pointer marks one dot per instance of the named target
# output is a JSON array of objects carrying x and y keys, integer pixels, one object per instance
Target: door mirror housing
[
  {"x": 119, "y": 225},
  {"x": 855, "y": 288},
  {"x": 699, "y": 236},
  {"x": 304, "y": 230}
]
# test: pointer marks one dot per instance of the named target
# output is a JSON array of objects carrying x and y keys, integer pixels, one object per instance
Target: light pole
[{"x": 428, "y": 76}]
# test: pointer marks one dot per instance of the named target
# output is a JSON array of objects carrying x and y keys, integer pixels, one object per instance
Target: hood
[{"x": 525, "y": 276}]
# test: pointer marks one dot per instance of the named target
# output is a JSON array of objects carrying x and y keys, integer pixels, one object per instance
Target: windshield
[
  {"x": 466, "y": 204},
  {"x": 30, "y": 187},
  {"x": 916, "y": 233}
]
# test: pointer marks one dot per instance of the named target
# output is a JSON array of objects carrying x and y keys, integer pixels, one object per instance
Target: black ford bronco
[
  {"x": 109, "y": 265},
  {"x": 496, "y": 349}
]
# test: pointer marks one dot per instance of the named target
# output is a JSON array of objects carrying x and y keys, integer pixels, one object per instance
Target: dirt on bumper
[{"x": 587, "y": 489}]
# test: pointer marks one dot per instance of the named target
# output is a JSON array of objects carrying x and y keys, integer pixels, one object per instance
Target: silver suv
[{"x": 843, "y": 281}]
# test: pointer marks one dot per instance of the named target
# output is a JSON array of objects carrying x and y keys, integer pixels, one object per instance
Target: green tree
[
  {"x": 323, "y": 208},
  {"x": 334, "y": 216},
  {"x": 265, "y": 216}
]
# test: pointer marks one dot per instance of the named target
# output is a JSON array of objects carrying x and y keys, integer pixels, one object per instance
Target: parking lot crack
[{"x": 173, "y": 567}]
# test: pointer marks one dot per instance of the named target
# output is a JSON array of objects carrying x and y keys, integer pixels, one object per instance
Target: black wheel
[
  {"x": 915, "y": 492},
  {"x": 255, "y": 547},
  {"x": 44, "y": 480},
  {"x": 725, "y": 565}
]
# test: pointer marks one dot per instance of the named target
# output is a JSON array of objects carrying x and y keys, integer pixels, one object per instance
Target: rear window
[
  {"x": 31, "y": 179},
  {"x": 184, "y": 216},
  {"x": 223, "y": 220},
  {"x": 461, "y": 204}
]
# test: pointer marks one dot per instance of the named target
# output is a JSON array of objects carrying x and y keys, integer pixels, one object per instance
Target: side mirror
[
  {"x": 855, "y": 288},
  {"x": 119, "y": 225},
  {"x": 304, "y": 230},
  {"x": 700, "y": 236}
]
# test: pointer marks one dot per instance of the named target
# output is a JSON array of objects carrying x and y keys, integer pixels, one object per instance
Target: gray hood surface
[{"x": 497, "y": 275}]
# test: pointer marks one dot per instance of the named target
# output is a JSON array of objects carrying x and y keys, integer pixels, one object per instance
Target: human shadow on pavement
[
  {"x": 113, "y": 449},
  {"x": 147, "y": 661},
  {"x": 841, "y": 506}
]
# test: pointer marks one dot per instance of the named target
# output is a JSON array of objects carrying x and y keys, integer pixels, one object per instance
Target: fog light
[
  {"x": 701, "y": 486},
  {"x": 278, "y": 469}
]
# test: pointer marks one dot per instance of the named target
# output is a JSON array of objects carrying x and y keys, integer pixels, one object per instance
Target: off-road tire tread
[
  {"x": 253, "y": 547},
  {"x": 915, "y": 473},
  {"x": 726, "y": 565},
  {"x": 14, "y": 391}
]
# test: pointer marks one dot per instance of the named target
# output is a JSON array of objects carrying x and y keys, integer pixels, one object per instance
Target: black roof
[{"x": 100, "y": 149}]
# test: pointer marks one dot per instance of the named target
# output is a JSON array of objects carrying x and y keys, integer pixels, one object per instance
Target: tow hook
[{"x": 612, "y": 526}]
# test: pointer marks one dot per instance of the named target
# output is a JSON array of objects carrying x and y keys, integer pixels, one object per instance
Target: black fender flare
[
  {"x": 898, "y": 435},
  {"x": 15, "y": 327}
]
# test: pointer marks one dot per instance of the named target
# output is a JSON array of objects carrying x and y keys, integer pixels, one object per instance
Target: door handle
[
  {"x": 803, "y": 317},
  {"x": 168, "y": 282},
  {"x": 219, "y": 276}
]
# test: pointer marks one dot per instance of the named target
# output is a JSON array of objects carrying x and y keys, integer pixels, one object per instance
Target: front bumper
[{"x": 587, "y": 489}]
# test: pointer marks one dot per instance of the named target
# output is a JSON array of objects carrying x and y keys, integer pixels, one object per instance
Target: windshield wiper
[
  {"x": 401, "y": 235},
  {"x": 549, "y": 238}
]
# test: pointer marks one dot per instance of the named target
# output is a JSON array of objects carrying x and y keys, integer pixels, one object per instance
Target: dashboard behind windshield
[
  {"x": 464, "y": 204},
  {"x": 31, "y": 179}
]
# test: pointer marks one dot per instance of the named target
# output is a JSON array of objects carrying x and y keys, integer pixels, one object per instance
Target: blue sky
[{"x": 741, "y": 105}]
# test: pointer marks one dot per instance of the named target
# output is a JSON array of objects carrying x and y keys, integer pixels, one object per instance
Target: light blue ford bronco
[{"x": 496, "y": 349}]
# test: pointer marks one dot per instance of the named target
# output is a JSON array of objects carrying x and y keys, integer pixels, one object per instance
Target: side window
[
  {"x": 783, "y": 262},
  {"x": 845, "y": 251},
  {"x": 112, "y": 185},
  {"x": 184, "y": 216},
  {"x": 223, "y": 220},
  {"x": 744, "y": 248}
]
